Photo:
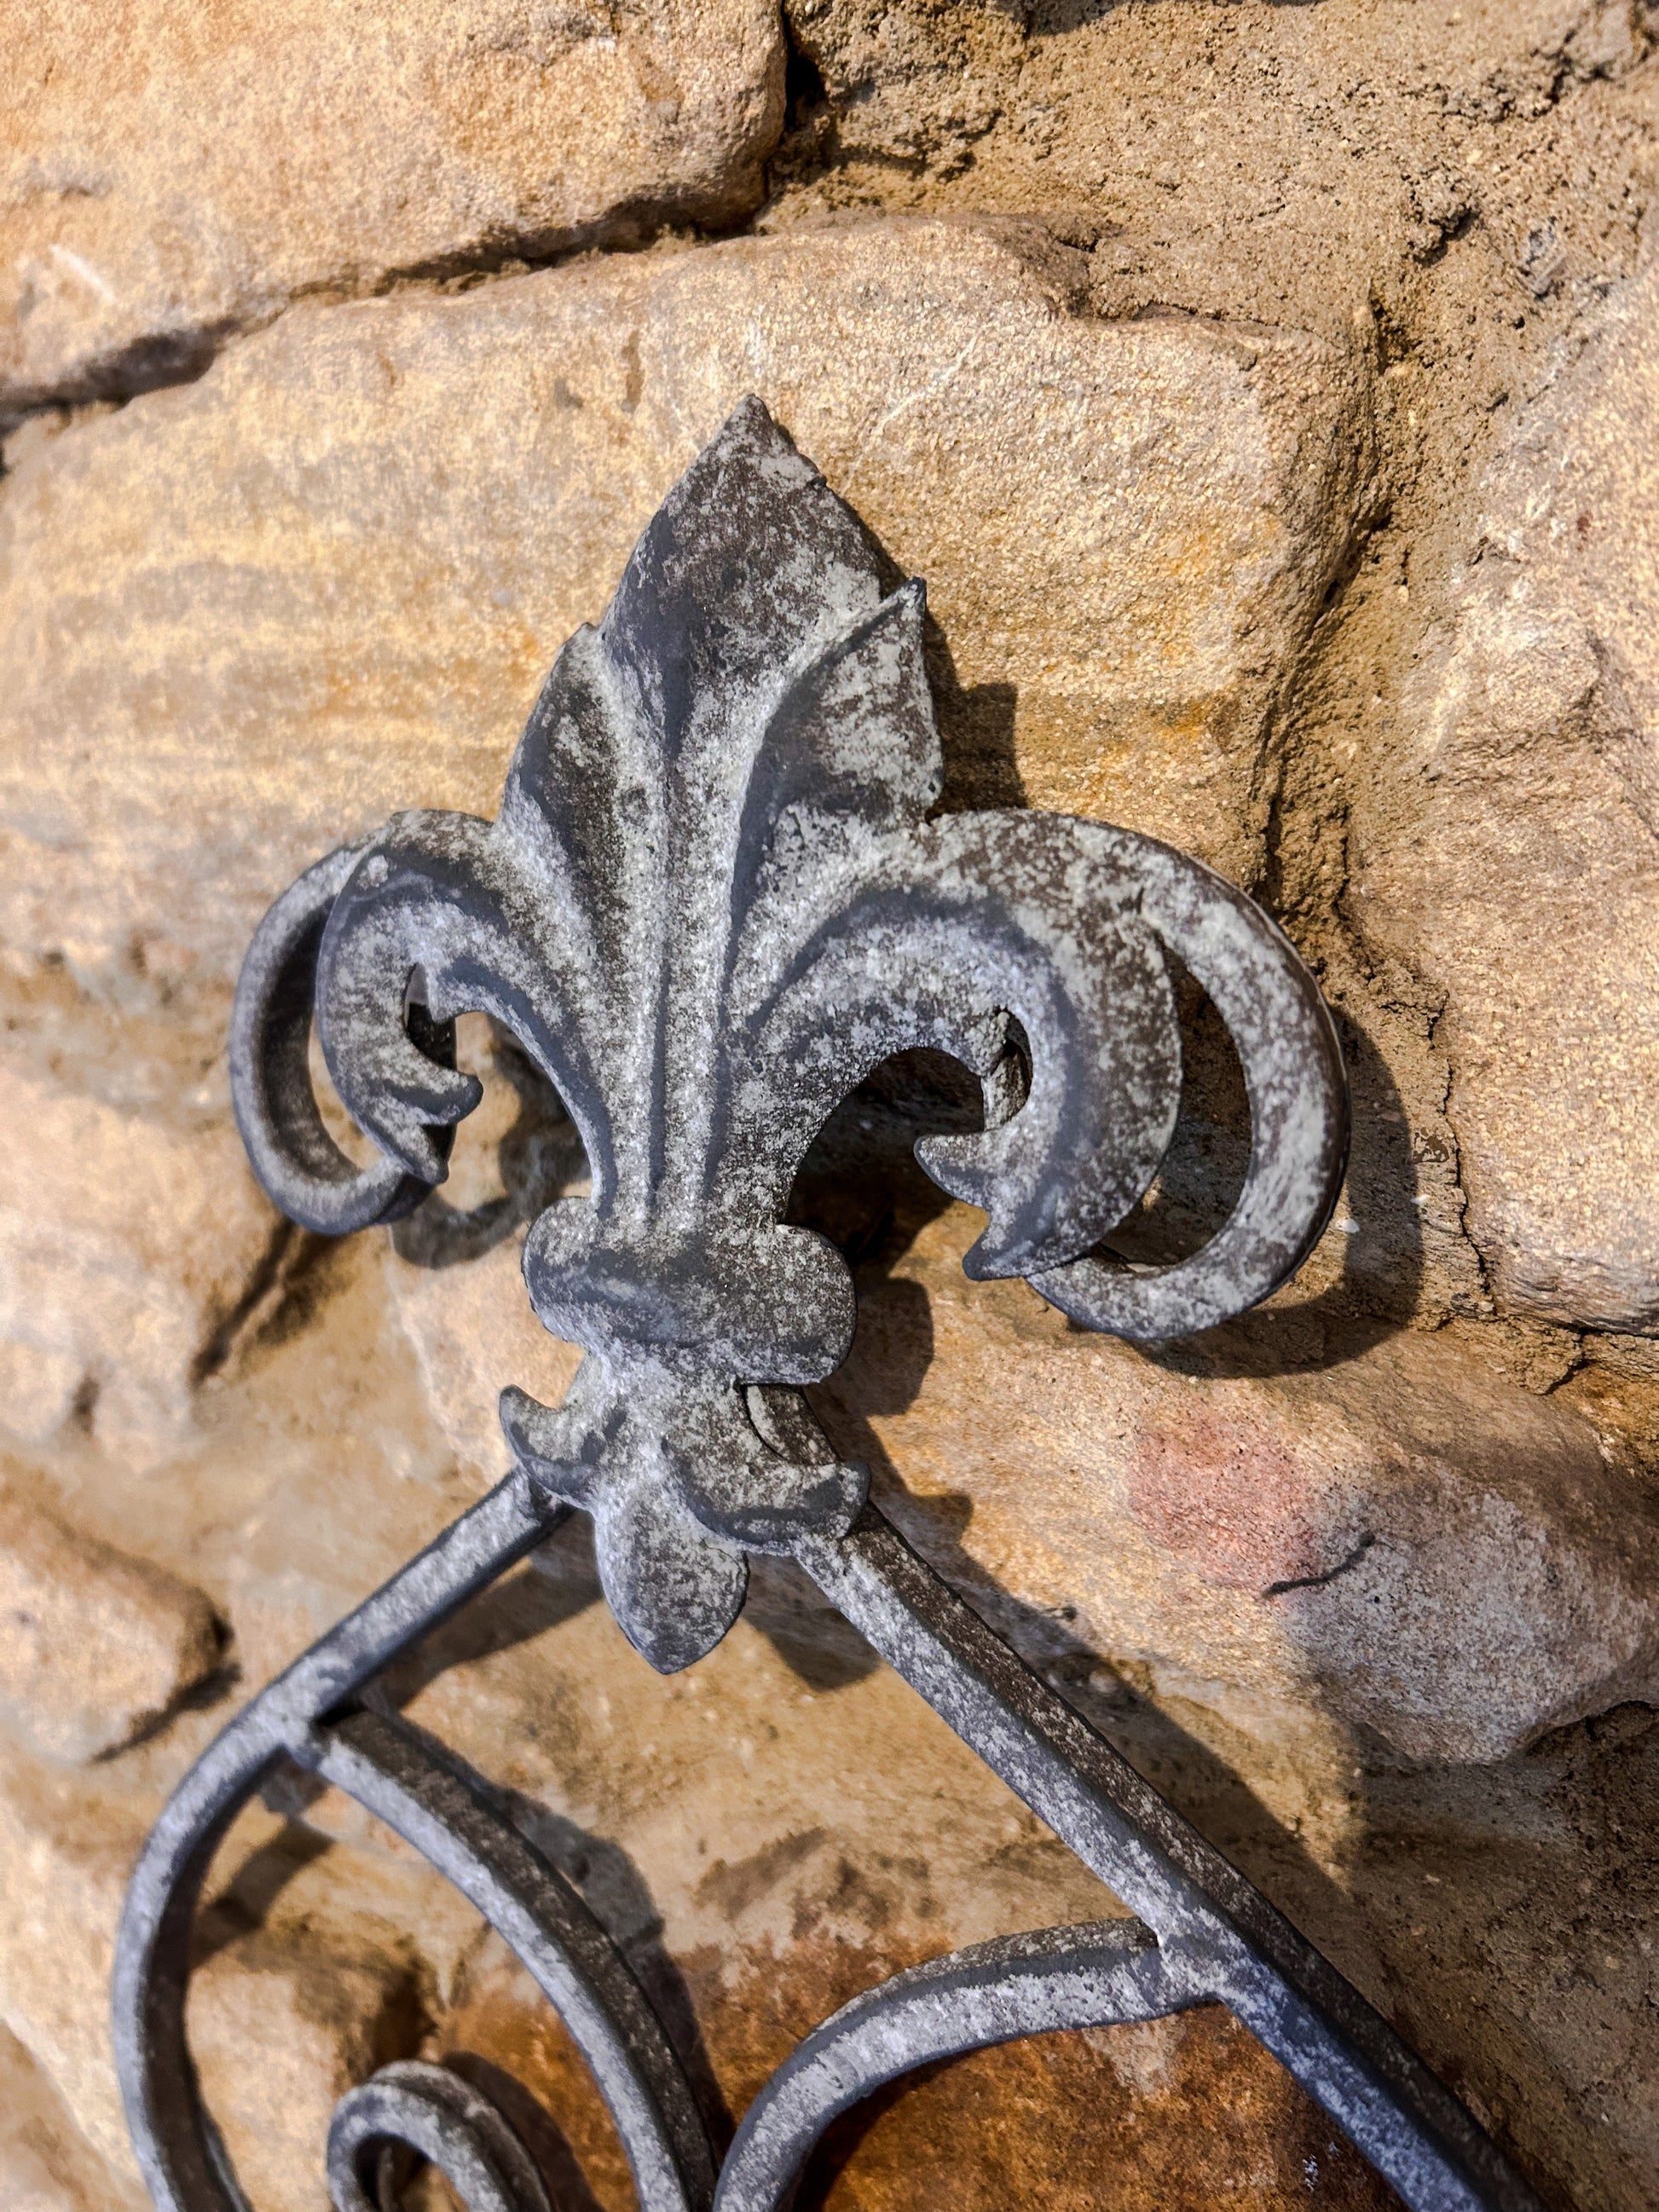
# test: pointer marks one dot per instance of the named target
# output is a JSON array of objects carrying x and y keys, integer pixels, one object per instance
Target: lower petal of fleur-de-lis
[{"x": 683, "y": 1482}]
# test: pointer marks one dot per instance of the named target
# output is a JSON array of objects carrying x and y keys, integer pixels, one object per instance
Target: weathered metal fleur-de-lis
[
  {"x": 712, "y": 902},
  {"x": 716, "y": 898}
]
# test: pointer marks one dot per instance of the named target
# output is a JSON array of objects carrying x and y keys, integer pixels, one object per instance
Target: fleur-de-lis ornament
[
  {"x": 715, "y": 899},
  {"x": 716, "y": 896}
]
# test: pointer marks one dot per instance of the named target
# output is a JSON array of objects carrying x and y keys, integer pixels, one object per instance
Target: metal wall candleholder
[{"x": 712, "y": 902}]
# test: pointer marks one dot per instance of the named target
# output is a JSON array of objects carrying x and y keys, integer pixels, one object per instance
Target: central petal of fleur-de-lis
[{"x": 712, "y": 902}]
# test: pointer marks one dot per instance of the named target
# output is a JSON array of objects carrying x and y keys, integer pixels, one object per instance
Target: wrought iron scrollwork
[{"x": 714, "y": 900}]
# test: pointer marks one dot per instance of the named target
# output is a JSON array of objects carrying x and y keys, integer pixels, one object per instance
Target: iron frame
[{"x": 824, "y": 920}]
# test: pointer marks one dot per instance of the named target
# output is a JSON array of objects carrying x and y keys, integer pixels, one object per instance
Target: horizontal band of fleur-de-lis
[{"x": 716, "y": 898}]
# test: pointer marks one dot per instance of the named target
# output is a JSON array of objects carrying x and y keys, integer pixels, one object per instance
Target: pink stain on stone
[{"x": 1245, "y": 1508}]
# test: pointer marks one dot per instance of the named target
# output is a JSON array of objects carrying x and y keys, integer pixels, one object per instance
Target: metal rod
[{"x": 1217, "y": 1928}]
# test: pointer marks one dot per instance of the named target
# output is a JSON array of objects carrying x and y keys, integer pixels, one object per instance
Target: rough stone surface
[
  {"x": 1426, "y": 1552},
  {"x": 44, "y": 2163},
  {"x": 67, "y": 1844},
  {"x": 998, "y": 245},
  {"x": 278, "y": 2037},
  {"x": 456, "y": 1271},
  {"x": 468, "y": 1330},
  {"x": 1289, "y": 170},
  {"x": 257, "y": 157},
  {"x": 93, "y": 1646},
  {"x": 125, "y": 1248},
  {"x": 388, "y": 517},
  {"x": 1511, "y": 856}
]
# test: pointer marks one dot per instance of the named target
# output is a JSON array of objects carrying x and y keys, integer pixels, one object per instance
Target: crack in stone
[{"x": 1318, "y": 1581}]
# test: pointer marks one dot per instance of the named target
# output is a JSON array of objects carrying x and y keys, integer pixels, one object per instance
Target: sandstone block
[
  {"x": 46, "y": 2166},
  {"x": 281, "y": 2028},
  {"x": 40, "y": 1389},
  {"x": 249, "y": 618},
  {"x": 455, "y": 1269},
  {"x": 68, "y": 1846},
  {"x": 125, "y": 1245},
  {"x": 1511, "y": 854},
  {"x": 93, "y": 1645},
  {"x": 473, "y": 1332},
  {"x": 1409, "y": 1543},
  {"x": 169, "y": 173}
]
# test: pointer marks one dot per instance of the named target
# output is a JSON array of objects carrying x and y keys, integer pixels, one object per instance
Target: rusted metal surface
[{"x": 714, "y": 900}]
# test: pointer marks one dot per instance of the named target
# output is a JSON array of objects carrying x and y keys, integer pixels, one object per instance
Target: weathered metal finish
[
  {"x": 1219, "y": 1937},
  {"x": 176, "y": 2146},
  {"x": 1094, "y": 1976},
  {"x": 432, "y": 2111},
  {"x": 712, "y": 902}
]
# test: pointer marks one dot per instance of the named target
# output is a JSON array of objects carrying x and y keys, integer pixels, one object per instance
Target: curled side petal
[
  {"x": 299, "y": 1163},
  {"x": 1297, "y": 1086},
  {"x": 970, "y": 919},
  {"x": 1064, "y": 924},
  {"x": 448, "y": 2122},
  {"x": 444, "y": 896}
]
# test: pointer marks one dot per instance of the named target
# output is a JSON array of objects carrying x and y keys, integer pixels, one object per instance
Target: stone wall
[{"x": 1268, "y": 395}]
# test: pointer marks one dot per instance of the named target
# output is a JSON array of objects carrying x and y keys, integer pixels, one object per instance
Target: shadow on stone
[
  {"x": 976, "y": 723},
  {"x": 536, "y": 1157},
  {"x": 1376, "y": 1291},
  {"x": 260, "y": 1881},
  {"x": 568, "y": 2185}
]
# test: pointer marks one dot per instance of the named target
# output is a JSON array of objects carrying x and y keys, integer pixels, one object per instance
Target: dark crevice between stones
[
  {"x": 150, "y": 363},
  {"x": 160, "y": 360},
  {"x": 154, "y": 363},
  {"x": 808, "y": 145}
]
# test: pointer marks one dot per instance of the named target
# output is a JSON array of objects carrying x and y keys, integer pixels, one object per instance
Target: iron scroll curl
[{"x": 716, "y": 896}]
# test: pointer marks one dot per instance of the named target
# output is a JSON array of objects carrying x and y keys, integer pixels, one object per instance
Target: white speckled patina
[{"x": 712, "y": 902}]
